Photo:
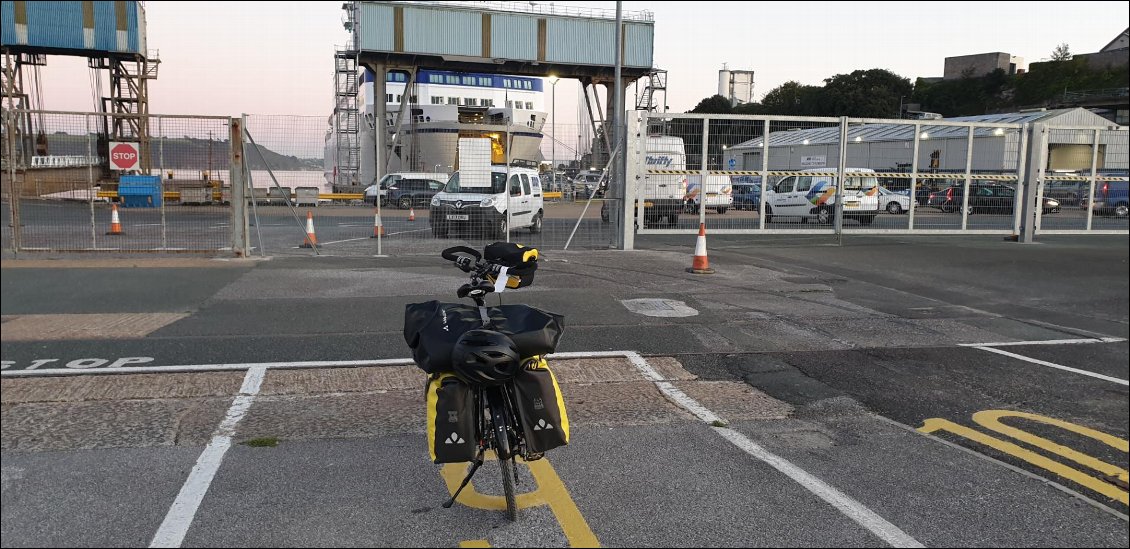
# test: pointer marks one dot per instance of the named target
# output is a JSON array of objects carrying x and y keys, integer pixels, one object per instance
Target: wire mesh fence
[
  {"x": 65, "y": 189},
  {"x": 72, "y": 186}
]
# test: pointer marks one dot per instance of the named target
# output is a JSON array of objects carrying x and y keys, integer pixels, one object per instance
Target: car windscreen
[{"x": 497, "y": 185}]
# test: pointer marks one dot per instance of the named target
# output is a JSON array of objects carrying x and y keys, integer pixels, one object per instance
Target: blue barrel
[{"x": 140, "y": 191}]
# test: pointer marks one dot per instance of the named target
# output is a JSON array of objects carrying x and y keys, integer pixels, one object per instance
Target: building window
[{"x": 437, "y": 100}]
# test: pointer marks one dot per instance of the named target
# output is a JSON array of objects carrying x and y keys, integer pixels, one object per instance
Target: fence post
[
  {"x": 841, "y": 180},
  {"x": 1036, "y": 162},
  {"x": 633, "y": 144},
  {"x": 240, "y": 240}
]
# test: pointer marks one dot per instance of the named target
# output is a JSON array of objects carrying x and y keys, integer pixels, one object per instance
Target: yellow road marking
[
  {"x": 933, "y": 425},
  {"x": 550, "y": 491}
]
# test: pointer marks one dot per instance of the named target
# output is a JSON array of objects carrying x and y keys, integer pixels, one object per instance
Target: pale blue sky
[{"x": 227, "y": 58}]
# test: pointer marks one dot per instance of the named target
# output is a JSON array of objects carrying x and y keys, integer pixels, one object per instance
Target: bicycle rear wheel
[
  {"x": 500, "y": 423},
  {"x": 508, "y": 488}
]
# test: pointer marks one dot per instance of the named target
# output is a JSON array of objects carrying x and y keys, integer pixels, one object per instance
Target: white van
[
  {"x": 483, "y": 210},
  {"x": 663, "y": 194},
  {"x": 390, "y": 180},
  {"x": 814, "y": 196},
  {"x": 719, "y": 193}
]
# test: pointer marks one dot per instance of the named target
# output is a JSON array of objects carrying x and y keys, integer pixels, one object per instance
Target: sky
[{"x": 228, "y": 58}]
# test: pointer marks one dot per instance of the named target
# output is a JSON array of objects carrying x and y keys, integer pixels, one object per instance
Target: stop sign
[{"x": 123, "y": 156}]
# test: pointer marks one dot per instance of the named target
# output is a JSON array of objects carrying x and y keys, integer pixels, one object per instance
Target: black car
[
  {"x": 408, "y": 193},
  {"x": 1068, "y": 193},
  {"x": 984, "y": 197}
]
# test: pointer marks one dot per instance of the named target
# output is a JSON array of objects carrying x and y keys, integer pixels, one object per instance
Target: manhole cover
[{"x": 658, "y": 307}]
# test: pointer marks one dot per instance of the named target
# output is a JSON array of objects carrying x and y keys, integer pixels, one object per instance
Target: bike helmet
[{"x": 485, "y": 357}]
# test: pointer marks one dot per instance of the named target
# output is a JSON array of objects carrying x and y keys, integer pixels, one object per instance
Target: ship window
[
  {"x": 468, "y": 80},
  {"x": 484, "y": 81},
  {"x": 488, "y": 102},
  {"x": 388, "y": 98},
  {"x": 435, "y": 78},
  {"x": 452, "y": 100},
  {"x": 437, "y": 100},
  {"x": 452, "y": 79},
  {"x": 529, "y": 105},
  {"x": 527, "y": 85},
  {"x": 472, "y": 102}
]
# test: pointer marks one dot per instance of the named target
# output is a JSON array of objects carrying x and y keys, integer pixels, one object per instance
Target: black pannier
[{"x": 432, "y": 328}]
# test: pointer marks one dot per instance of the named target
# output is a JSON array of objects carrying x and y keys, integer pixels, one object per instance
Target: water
[{"x": 261, "y": 179}]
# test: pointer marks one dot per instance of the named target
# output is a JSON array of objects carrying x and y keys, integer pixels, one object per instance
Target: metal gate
[{"x": 743, "y": 174}]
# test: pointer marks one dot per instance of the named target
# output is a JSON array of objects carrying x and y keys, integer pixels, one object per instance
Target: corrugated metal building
[
  {"x": 73, "y": 28},
  {"x": 488, "y": 38},
  {"x": 889, "y": 147}
]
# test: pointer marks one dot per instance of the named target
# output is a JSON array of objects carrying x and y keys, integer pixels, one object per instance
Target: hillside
[{"x": 188, "y": 153}]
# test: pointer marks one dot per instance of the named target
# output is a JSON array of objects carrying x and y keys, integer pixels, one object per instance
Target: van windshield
[{"x": 497, "y": 185}]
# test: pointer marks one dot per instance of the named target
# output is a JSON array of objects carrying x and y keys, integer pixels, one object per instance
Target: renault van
[{"x": 489, "y": 209}]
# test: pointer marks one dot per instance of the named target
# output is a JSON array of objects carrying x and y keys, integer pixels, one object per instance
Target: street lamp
[{"x": 553, "y": 129}]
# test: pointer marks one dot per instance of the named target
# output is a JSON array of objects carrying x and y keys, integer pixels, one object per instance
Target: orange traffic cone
[
  {"x": 378, "y": 227},
  {"x": 311, "y": 240},
  {"x": 411, "y": 213},
  {"x": 700, "y": 265},
  {"x": 115, "y": 223}
]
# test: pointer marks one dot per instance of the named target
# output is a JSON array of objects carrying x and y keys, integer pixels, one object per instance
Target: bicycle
[{"x": 498, "y": 354}]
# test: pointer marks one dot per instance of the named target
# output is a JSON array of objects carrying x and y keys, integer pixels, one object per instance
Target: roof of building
[
  {"x": 1115, "y": 41},
  {"x": 905, "y": 132}
]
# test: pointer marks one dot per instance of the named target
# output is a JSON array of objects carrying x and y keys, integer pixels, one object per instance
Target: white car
[{"x": 892, "y": 202}]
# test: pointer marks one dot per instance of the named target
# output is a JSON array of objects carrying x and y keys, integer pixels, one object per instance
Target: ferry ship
[{"x": 446, "y": 106}]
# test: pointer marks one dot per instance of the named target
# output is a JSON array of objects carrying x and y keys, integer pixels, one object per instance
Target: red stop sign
[{"x": 123, "y": 156}]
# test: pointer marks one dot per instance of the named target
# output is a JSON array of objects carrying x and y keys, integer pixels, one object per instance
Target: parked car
[
  {"x": 408, "y": 193},
  {"x": 892, "y": 202},
  {"x": 984, "y": 197},
  {"x": 1068, "y": 193},
  {"x": 1111, "y": 199},
  {"x": 372, "y": 192},
  {"x": 747, "y": 196}
]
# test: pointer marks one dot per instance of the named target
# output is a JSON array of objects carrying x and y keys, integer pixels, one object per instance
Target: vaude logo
[
  {"x": 543, "y": 426},
  {"x": 452, "y": 416},
  {"x": 454, "y": 439},
  {"x": 444, "y": 317},
  {"x": 539, "y": 404},
  {"x": 662, "y": 161}
]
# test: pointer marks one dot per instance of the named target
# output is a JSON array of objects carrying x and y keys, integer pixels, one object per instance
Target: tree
[
  {"x": 715, "y": 104},
  {"x": 1061, "y": 53},
  {"x": 873, "y": 93},
  {"x": 791, "y": 98}
]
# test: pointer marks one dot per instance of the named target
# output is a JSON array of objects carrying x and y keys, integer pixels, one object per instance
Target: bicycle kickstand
[{"x": 474, "y": 467}]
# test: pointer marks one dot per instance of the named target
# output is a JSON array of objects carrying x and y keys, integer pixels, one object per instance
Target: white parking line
[
  {"x": 1047, "y": 342},
  {"x": 1054, "y": 365},
  {"x": 183, "y": 511},
  {"x": 843, "y": 503}
]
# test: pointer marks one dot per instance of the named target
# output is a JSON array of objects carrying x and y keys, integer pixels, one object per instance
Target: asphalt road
[{"x": 863, "y": 346}]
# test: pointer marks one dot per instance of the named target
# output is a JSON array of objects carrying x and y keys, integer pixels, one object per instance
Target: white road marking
[
  {"x": 845, "y": 504},
  {"x": 183, "y": 511},
  {"x": 1054, "y": 365},
  {"x": 1047, "y": 342}
]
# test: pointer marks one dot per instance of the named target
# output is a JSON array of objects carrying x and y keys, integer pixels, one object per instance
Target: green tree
[
  {"x": 715, "y": 104},
  {"x": 873, "y": 93},
  {"x": 791, "y": 98},
  {"x": 1061, "y": 53}
]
